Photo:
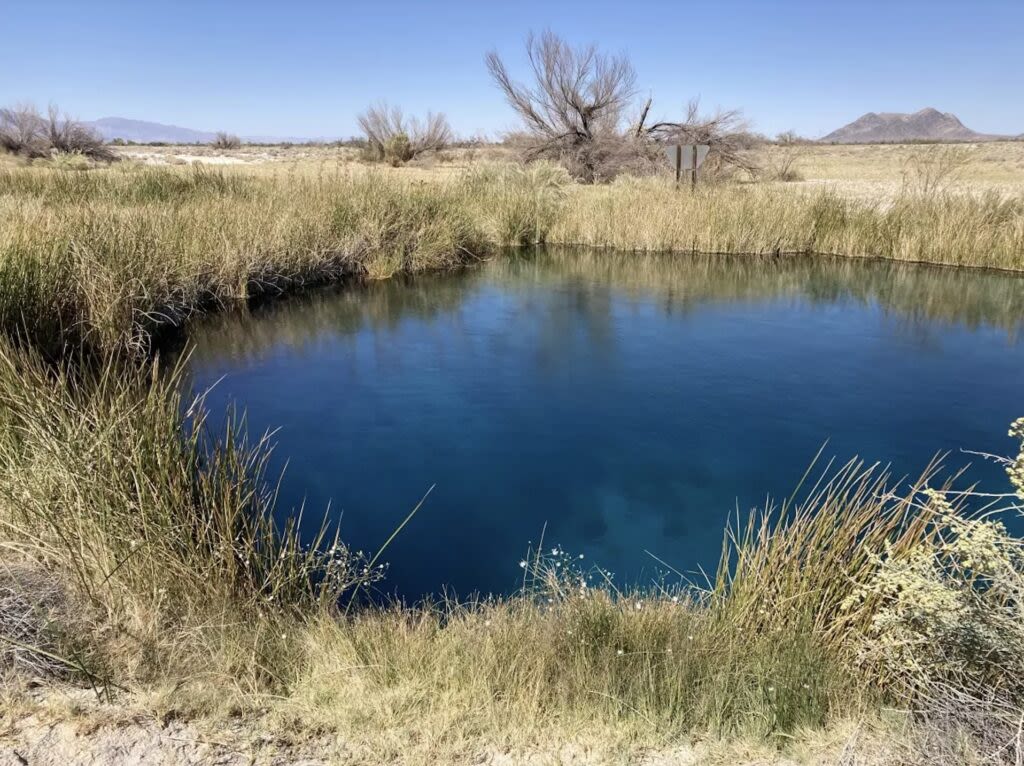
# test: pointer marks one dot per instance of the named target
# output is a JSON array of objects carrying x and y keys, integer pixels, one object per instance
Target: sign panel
[{"x": 686, "y": 159}]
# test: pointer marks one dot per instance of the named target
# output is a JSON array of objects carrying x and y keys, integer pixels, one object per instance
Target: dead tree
[
  {"x": 575, "y": 112},
  {"x": 70, "y": 136},
  {"x": 24, "y": 131},
  {"x": 724, "y": 132}
]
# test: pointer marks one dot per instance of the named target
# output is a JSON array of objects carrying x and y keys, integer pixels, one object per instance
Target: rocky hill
[{"x": 895, "y": 127}]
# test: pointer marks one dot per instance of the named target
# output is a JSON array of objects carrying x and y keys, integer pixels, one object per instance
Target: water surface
[{"x": 626, "y": 403}]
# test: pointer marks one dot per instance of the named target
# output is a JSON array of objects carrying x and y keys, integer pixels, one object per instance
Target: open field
[
  {"x": 867, "y": 172},
  {"x": 168, "y": 588}
]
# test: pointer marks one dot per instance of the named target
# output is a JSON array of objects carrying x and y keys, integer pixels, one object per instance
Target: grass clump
[{"x": 160, "y": 529}]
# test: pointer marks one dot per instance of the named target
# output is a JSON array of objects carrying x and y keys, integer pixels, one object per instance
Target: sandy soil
[{"x": 70, "y": 727}]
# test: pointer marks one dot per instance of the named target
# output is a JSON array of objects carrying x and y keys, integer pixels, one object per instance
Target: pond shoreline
[{"x": 180, "y": 579}]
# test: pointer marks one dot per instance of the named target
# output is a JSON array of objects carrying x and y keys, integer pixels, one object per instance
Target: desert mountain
[
  {"x": 894, "y": 127},
  {"x": 141, "y": 131}
]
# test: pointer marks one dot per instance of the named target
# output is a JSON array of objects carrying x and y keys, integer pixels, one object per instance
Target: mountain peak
[{"x": 928, "y": 124}]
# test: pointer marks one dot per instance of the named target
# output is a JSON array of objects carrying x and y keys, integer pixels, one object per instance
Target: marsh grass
[
  {"x": 651, "y": 215},
  {"x": 165, "y": 533},
  {"x": 108, "y": 256}
]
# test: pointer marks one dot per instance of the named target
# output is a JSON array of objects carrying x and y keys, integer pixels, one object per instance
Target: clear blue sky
[{"x": 306, "y": 68}]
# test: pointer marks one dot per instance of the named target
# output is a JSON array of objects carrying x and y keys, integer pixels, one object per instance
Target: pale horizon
[{"x": 796, "y": 65}]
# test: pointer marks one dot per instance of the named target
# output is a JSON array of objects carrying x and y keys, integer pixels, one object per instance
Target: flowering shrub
[
  {"x": 950, "y": 612},
  {"x": 1016, "y": 467}
]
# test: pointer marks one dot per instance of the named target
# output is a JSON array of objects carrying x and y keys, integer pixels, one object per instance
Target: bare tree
[
  {"x": 576, "y": 111},
  {"x": 72, "y": 137},
  {"x": 725, "y": 132},
  {"x": 226, "y": 141},
  {"x": 392, "y": 136},
  {"x": 24, "y": 131},
  {"x": 575, "y": 107}
]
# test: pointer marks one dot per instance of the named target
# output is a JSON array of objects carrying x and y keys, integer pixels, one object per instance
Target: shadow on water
[{"x": 627, "y": 401}]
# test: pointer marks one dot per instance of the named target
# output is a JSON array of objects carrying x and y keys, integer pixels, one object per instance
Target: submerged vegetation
[{"x": 161, "y": 534}]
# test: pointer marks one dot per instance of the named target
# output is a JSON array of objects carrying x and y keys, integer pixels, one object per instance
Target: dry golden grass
[
  {"x": 857, "y": 170},
  {"x": 186, "y": 597}
]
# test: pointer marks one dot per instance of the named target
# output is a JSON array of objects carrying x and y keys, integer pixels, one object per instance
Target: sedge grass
[
  {"x": 107, "y": 256},
  {"x": 168, "y": 546},
  {"x": 164, "y": 533}
]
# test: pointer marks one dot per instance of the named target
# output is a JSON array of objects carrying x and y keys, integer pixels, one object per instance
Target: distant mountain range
[
  {"x": 886, "y": 127},
  {"x": 143, "y": 132},
  {"x": 894, "y": 127}
]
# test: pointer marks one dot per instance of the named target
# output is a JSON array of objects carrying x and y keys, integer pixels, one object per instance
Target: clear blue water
[{"x": 625, "y": 403}]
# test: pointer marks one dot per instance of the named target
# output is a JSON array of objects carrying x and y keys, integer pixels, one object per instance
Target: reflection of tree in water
[{"x": 593, "y": 280}]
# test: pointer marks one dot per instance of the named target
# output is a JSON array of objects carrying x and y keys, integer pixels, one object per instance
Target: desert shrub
[
  {"x": 934, "y": 169},
  {"x": 947, "y": 631},
  {"x": 69, "y": 161},
  {"x": 1015, "y": 469},
  {"x": 394, "y": 138},
  {"x": 24, "y": 131},
  {"x": 68, "y": 136},
  {"x": 779, "y": 163},
  {"x": 398, "y": 150},
  {"x": 226, "y": 141},
  {"x": 950, "y": 612}
]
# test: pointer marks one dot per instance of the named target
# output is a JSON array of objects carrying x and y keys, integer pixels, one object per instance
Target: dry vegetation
[
  {"x": 580, "y": 111},
  {"x": 159, "y": 532},
  {"x": 148, "y": 542}
]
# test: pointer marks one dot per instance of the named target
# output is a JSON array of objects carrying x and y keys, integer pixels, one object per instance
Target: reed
[
  {"x": 163, "y": 534},
  {"x": 108, "y": 256}
]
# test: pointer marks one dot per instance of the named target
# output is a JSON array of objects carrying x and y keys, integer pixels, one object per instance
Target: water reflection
[
  {"x": 625, "y": 401},
  {"x": 915, "y": 296}
]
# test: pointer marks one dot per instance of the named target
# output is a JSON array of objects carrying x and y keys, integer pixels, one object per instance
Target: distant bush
[
  {"x": 25, "y": 132},
  {"x": 226, "y": 141},
  {"x": 22, "y": 131},
  {"x": 394, "y": 138},
  {"x": 933, "y": 170},
  {"x": 780, "y": 163}
]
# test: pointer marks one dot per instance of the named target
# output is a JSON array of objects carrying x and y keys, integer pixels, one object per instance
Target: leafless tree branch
[{"x": 574, "y": 108}]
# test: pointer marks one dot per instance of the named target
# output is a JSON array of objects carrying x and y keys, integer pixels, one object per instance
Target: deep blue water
[{"x": 628, "y": 403}]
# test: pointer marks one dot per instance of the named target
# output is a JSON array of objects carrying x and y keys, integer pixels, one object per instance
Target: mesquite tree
[{"x": 576, "y": 110}]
